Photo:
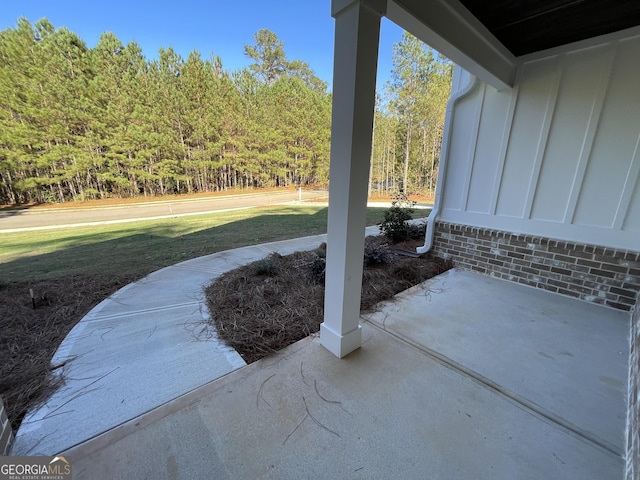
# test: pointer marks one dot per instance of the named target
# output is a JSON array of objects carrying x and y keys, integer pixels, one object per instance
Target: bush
[
  {"x": 395, "y": 225},
  {"x": 417, "y": 230},
  {"x": 318, "y": 268},
  {"x": 376, "y": 254},
  {"x": 321, "y": 251},
  {"x": 268, "y": 266}
]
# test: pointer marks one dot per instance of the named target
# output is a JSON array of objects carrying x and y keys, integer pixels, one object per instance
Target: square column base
[{"x": 340, "y": 345}]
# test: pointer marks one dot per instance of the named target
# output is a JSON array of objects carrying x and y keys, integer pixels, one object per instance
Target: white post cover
[{"x": 357, "y": 32}]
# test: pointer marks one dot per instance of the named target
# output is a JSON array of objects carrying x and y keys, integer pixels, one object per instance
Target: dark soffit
[{"x": 527, "y": 26}]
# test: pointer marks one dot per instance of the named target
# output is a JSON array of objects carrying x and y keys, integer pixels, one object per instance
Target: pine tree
[
  {"x": 416, "y": 98},
  {"x": 79, "y": 123}
]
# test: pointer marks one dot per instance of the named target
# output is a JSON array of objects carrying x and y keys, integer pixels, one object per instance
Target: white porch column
[{"x": 357, "y": 32}]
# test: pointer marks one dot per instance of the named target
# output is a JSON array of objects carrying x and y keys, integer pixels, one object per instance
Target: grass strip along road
[{"x": 145, "y": 246}]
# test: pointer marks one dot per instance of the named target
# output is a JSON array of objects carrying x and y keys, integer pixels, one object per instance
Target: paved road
[{"x": 40, "y": 219}]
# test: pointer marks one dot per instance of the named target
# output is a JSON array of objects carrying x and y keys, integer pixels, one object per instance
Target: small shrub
[
  {"x": 268, "y": 266},
  {"x": 416, "y": 231},
  {"x": 321, "y": 251},
  {"x": 395, "y": 225},
  {"x": 318, "y": 268},
  {"x": 377, "y": 254},
  {"x": 318, "y": 264}
]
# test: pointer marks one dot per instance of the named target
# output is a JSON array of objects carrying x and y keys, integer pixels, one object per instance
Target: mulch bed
[
  {"x": 257, "y": 309},
  {"x": 264, "y": 306},
  {"x": 30, "y": 336}
]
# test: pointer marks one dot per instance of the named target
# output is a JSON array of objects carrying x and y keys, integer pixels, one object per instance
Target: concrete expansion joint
[
  {"x": 131, "y": 313},
  {"x": 208, "y": 270},
  {"x": 517, "y": 400}
]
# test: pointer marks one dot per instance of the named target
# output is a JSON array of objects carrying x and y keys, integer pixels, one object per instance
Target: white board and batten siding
[{"x": 558, "y": 155}]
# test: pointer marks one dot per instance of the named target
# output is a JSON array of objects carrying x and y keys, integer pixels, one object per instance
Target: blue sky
[{"x": 209, "y": 26}]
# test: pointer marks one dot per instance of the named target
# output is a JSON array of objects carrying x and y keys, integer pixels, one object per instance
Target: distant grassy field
[{"x": 139, "y": 248}]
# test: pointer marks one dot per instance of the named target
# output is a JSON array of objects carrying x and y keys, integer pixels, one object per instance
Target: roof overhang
[
  {"x": 453, "y": 31},
  {"x": 486, "y": 37}
]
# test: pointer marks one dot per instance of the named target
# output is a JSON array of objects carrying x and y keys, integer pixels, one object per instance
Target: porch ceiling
[
  {"x": 485, "y": 37},
  {"x": 525, "y": 26}
]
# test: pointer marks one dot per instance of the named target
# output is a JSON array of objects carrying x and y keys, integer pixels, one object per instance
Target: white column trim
[{"x": 357, "y": 32}]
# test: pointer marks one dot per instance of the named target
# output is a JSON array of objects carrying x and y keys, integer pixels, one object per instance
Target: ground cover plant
[
  {"x": 264, "y": 306},
  {"x": 71, "y": 271}
]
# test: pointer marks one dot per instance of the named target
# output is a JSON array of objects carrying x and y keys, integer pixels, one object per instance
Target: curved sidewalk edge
[{"x": 143, "y": 346}]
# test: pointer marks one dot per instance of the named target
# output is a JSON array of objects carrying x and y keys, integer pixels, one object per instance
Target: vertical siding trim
[
  {"x": 590, "y": 134},
  {"x": 502, "y": 155},
  {"x": 473, "y": 148},
  {"x": 543, "y": 139},
  {"x": 633, "y": 175}
]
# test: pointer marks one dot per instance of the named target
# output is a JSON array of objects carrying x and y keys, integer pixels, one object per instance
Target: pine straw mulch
[
  {"x": 256, "y": 314},
  {"x": 30, "y": 336},
  {"x": 262, "y": 307}
]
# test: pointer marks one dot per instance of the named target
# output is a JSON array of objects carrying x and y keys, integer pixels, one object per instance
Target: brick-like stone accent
[
  {"x": 633, "y": 407},
  {"x": 605, "y": 276},
  {"x": 6, "y": 434}
]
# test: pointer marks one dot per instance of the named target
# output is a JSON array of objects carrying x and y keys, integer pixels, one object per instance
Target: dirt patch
[
  {"x": 31, "y": 336},
  {"x": 414, "y": 197},
  {"x": 264, "y": 306},
  {"x": 111, "y": 201}
]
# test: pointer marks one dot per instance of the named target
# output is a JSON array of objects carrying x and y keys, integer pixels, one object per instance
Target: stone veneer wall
[
  {"x": 633, "y": 408},
  {"x": 6, "y": 434},
  {"x": 605, "y": 276}
]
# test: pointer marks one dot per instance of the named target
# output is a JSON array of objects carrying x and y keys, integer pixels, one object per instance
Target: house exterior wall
[
  {"x": 605, "y": 276},
  {"x": 542, "y": 181},
  {"x": 558, "y": 155}
]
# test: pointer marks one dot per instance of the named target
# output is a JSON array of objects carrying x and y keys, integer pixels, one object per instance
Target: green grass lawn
[{"x": 139, "y": 248}]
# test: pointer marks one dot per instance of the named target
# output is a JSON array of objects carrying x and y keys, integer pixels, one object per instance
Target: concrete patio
[{"x": 463, "y": 377}]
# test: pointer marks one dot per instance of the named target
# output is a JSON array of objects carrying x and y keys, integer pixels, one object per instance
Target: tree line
[
  {"x": 409, "y": 120},
  {"x": 78, "y": 123}
]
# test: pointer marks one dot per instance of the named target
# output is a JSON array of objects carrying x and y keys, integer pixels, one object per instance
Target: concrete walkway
[
  {"x": 139, "y": 349},
  {"x": 464, "y": 377}
]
